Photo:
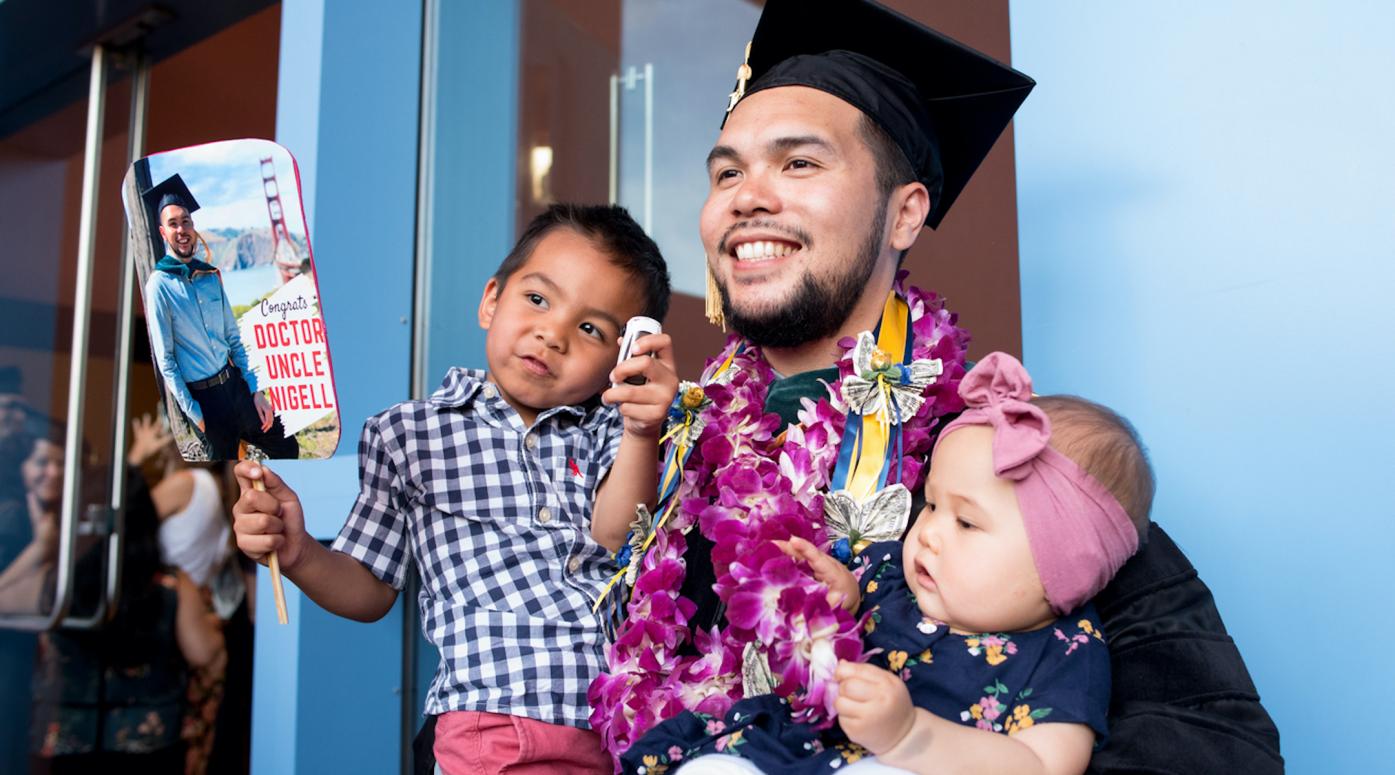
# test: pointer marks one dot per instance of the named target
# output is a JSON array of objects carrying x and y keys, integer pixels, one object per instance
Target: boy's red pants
[{"x": 469, "y": 742}]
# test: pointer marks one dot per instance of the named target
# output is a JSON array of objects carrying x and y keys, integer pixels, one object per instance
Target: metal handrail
[
  {"x": 628, "y": 80},
  {"x": 140, "y": 82},
  {"x": 77, "y": 373}
]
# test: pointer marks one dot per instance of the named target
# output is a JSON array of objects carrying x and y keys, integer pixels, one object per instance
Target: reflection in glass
[
  {"x": 690, "y": 53},
  {"x": 120, "y": 690},
  {"x": 41, "y": 174},
  {"x": 41, "y": 181},
  {"x": 31, "y": 495}
]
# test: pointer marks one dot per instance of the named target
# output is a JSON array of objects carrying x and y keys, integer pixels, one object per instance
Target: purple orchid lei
[{"x": 744, "y": 486}]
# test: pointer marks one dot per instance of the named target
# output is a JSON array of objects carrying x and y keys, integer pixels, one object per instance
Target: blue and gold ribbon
[
  {"x": 675, "y": 458},
  {"x": 870, "y": 452}
]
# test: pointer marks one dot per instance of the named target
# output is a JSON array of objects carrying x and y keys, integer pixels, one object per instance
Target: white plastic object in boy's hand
[{"x": 636, "y": 327}]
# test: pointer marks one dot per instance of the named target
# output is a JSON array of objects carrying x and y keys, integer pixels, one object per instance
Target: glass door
[
  {"x": 59, "y": 376},
  {"x": 74, "y": 364},
  {"x": 532, "y": 102},
  {"x": 678, "y": 61}
]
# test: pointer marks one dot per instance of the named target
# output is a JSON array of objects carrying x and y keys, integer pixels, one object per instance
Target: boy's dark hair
[
  {"x": 1107, "y": 447},
  {"x": 612, "y": 229}
]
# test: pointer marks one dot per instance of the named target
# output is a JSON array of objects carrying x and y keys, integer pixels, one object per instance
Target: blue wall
[
  {"x": 328, "y": 692},
  {"x": 1207, "y": 237}
]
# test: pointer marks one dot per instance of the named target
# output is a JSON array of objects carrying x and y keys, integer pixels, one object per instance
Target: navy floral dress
[{"x": 1001, "y": 682}]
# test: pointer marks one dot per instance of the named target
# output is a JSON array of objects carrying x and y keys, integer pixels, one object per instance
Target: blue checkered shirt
[{"x": 497, "y": 518}]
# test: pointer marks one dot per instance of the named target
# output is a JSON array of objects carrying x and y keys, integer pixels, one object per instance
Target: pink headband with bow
[{"x": 1079, "y": 534}]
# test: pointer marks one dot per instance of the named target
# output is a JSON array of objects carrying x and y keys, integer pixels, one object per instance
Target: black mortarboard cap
[
  {"x": 170, "y": 191},
  {"x": 942, "y": 103}
]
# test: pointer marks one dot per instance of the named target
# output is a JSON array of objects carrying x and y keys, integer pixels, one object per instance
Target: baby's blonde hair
[{"x": 1107, "y": 447}]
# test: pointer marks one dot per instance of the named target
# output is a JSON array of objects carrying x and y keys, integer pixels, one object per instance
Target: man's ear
[
  {"x": 909, "y": 206},
  {"x": 489, "y": 301}
]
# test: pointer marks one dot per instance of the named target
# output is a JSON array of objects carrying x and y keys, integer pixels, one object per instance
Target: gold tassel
[
  {"x": 714, "y": 302},
  {"x": 743, "y": 74}
]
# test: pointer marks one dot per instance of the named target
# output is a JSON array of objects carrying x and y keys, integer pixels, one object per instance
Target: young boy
[{"x": 488, "y": 488}]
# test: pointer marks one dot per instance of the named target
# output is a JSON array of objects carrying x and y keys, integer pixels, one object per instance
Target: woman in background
[
  {"x": 192, "y": 501},
  {"x": 111, "y": 699}
]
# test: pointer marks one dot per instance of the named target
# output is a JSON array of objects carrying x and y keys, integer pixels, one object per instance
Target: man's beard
[
  {"x": 817, "y": 308},
  {"x": 184, "y": 254}
]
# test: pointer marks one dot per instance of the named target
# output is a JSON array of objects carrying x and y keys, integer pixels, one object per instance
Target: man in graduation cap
[
  {"x": 196, "y": 341},
  {"x": 851, "y": 128}
]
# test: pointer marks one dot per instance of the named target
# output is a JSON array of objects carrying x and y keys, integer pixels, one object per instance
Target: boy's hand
[
  {"x": 645, "y": 407},
  {"x": 874, "y": 707},
  {"x": 270, "y": 521},
  {"x": 842, "y": 585}
]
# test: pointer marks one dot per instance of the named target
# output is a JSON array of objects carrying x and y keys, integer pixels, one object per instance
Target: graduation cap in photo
[
  {"x": 942, "y": 103},
  {"x": 170, "y": 191}
]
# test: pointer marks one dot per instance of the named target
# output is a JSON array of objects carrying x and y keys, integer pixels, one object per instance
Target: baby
[{"x": 987, "y": 653}]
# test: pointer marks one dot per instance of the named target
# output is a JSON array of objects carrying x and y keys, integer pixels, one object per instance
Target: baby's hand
[
  {"x": 842, "y": 585},
  {"x": 645, "y": 407},
  {"x": 874, "y": 707}
]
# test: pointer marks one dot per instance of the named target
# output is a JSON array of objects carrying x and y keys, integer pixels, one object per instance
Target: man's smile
[
  {"x": 757, "y": 242},
  {"x": 756, "y": 254},
  {"x": 762, "y": 250}
]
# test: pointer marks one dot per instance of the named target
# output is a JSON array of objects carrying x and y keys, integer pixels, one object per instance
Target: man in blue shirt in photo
[{"x": 195, "y": 340}]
